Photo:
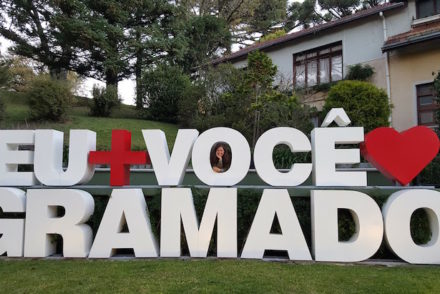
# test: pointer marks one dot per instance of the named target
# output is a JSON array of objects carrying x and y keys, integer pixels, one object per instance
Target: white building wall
[{"x": 362, "y": 42}]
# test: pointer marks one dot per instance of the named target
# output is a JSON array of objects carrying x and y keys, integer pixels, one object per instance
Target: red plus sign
[{"x": 119, "y": 158}]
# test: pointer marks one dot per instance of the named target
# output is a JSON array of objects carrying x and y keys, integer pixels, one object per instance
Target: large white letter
[
  {"x": 131, "y": 204},
  {"x": 325, "y": 156},
  {"x": 297, "y": 142},
  {"x": 177, "y": 204},
  {"x": 169, "y": 171},
  {"x": 49, "y": 157},
  {"x": 11, "y": 157},
  {"x": 41, "y": 220},
  {"x": 241, "y": 157},
  {"x": 397, "y": 213},
  {"x": 12, "y": 230},
  {"x": 368, "y": 222},
  {"x": 276, "y": 202}
]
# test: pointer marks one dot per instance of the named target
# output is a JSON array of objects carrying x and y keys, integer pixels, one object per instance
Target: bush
[
  {"x": 359, "y": 72},
  {"x": 48, "y": 99},
  {"x": 104, "y": 100},
  {"x": 4, "y": 80},
  {"x": 2, "y": 109},
  {"x": 164, "y": 87},
  {"x": 364, "y": 104},
  {"x": 242, "y": 99}
]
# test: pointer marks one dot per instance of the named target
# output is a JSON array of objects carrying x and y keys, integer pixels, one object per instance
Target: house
[{"x": 400, "y": 40}]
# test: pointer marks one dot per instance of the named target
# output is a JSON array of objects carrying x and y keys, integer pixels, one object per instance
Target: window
[
  {"x": 426, "y": 104},
  {"x": 318, "y": 66},
  {"x": 427, "y": 8}
]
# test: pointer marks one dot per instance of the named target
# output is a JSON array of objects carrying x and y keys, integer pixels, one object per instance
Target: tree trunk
[
  {"x": 111, "y": 79},
  {"x": 138, "y": 73},
  {"x": 58, "y": 73}
]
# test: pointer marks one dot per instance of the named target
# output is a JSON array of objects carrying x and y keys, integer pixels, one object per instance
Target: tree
[
  {"x": 246, "y": 19},
  {"x": 339, "y": 8},
  {"x": 84, "y": 36},
  {"x": 314, "y": 12},
  {"x": 204, "y": 36},
  {"x": 4, "y": 80},
  {"x": 164, "y": 88},
  {"x": 44, "y": 31},
  {"x": 242, "y": 99},
  {"x": 104, "y": 100},
  {"x": 149, "y": 27},
  {"x": 49, "y": 99},
  {"x": 304, "y": 15}
]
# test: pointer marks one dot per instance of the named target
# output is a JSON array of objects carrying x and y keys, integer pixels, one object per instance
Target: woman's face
[{"x": 219, "y": 152}]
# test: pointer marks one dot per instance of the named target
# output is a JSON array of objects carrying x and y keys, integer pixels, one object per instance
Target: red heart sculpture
[{"x": 400, "y": 156}]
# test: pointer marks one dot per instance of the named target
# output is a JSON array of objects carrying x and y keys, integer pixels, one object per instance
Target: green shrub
[
  {"x": 242, "y": 99},
  {"x": 2, "y": 109},
  {"x": 164, "y": 87},
  {"x": 364, "y": 104},
  {"x": 48, "y": 99},
  {"x": 4, "y": 81},
  {"x": 104, "y": 100},
  {"x": 359, "y": 72}
]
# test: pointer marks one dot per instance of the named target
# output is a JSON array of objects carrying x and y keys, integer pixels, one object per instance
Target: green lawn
[
  {"x": 123, "y": 117},
  {"x": 220, "y": 276}
]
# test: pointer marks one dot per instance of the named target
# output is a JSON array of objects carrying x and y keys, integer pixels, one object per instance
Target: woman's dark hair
[{"x": 226, "y": 159}]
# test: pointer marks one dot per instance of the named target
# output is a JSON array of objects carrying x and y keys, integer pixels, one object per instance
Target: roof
[
  {"x": 420, "y": 33},
  {"x": 310, "y": 31}
]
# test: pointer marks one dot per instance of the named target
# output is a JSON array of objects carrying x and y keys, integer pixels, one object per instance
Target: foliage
[
  {"x": 339, "y": 8},
  {"x": 359, "y": 72},
  {"x": 104, "y": 100},
  {"x": 48, "y": 99},
  {"x": 310, "y": 13},
  {"x": 260, "y": 72},
  {"x": 245, "y": 19},
  {"x": 79, "y": 118},
  {"x": 437, "y": 89},
  {"x": 303, "y": 15},
  {"x": 365, "y": 104},
  {"x": 204, "y": 36},
  {"x": 164, "y": 87},
  {"x": 21, "y": 74},
  {"x": 243, "y": 99},
  {"x": 4, "y": 80}
]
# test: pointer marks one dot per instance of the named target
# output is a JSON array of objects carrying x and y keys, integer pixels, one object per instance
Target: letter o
[
  {"x": 397, "y": 213},
  {"x": 240, "y": 162},
  {"x": 266, "y": 170}
]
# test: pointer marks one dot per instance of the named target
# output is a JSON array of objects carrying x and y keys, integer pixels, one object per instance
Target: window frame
[
  {"x": 332, "y": 53},
  {"x": 434, "y": 6},
  {"x": 426, "y": 108}
]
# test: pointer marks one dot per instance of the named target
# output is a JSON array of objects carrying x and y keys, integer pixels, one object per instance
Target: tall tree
[
  {"x": 246, "y": 19},
  {"x": 42, "y": 30},
  {"x": 339, "y": 8},
  {"x": 313, "y": 12},
  {"x": 303, "y": 15},
  {"x": 107, "y": 47},
  {"x": 150, "y": 27}
]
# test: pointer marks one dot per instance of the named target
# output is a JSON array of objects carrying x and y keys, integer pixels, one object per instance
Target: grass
[
  {"x": 123, "y": 117},
  {"x": 218, "y": 276}
]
